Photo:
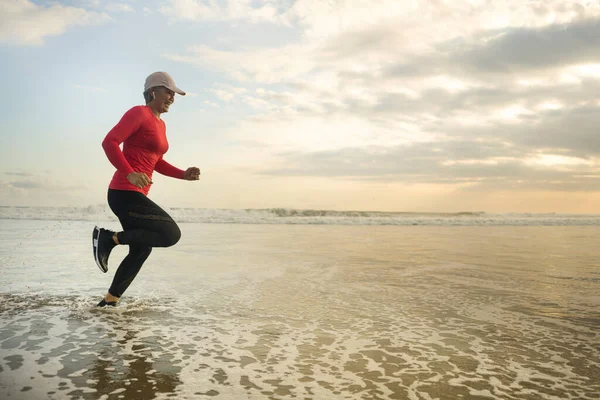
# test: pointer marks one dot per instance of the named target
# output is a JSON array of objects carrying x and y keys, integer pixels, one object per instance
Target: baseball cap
[{"x": 162, "y": 79}]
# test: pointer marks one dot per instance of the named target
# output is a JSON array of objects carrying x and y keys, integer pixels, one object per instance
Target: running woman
[{"x": 145, "y": 224}]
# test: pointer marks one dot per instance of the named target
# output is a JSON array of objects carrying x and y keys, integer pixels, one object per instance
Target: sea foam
[{"x": 308, "y": 217}]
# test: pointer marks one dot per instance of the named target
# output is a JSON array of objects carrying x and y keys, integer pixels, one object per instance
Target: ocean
[{"x": 305, "y": 304}]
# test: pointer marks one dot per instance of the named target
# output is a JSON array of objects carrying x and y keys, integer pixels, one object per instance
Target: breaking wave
[{"x": 307, "y": 217}]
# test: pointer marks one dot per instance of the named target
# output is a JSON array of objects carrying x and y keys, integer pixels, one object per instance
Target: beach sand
[{"x": 306, "y": 312}]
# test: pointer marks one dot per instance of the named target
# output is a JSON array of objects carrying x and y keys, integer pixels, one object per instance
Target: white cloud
[
  {"x": 559, "y": 161},
  {"x": 356, "y": 37},
  {"x": 381, "y": 73},
  {"x": 410, "y": 25},
  {"x": 550, "y": 105},
  {"x": 282, "y": 131},
  {"x": 447, "y": 83},
  {"x": 23, "y": 22},
  {"x": 586, "y": 70},
  {"x": 227, "y": 10},
  {"x": 211, "y": 103},
  {"x": 262, "y": 65},
  {"x": 227, "y": 92},
  {"x": 424, "y": 21},
  {"x": 360, "y": 35},
  {"x": 259, "y": 104},
  {"x": 119, "y": 7},
  {"x": 29, "y": 181}
]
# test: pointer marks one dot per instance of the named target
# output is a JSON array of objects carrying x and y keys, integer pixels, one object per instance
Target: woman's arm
[
  {"x": 127, "y": 126},
  {"x": 164, "y": 168}
]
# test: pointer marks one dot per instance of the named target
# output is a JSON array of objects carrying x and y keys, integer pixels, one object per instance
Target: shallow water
[{"x": 306, "y": 312}]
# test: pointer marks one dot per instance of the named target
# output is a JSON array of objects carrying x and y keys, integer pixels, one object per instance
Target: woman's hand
[
  {"x": 192, "y": 174},
  {"x": 139, "y": 179}
]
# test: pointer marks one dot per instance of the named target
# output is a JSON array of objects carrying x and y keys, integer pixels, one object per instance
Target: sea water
[{"x": 322, "y": 309}]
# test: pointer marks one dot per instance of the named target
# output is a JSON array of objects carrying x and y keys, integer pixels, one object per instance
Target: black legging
[{"x": 145, "y": 225}]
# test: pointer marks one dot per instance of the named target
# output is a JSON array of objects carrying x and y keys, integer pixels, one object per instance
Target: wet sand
[{"x": 306, "y": 312}]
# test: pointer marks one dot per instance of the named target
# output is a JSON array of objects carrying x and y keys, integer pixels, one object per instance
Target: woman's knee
[{"x": 172, "y": 235}]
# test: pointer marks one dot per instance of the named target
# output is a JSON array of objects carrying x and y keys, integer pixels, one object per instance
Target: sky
[{"x": 382, "y": 105}]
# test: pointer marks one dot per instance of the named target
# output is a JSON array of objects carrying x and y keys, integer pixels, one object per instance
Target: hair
[{"x": 148, "y": 95}]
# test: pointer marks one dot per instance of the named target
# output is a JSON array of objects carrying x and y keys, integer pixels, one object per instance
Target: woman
[{"x": 145, "y": 224}]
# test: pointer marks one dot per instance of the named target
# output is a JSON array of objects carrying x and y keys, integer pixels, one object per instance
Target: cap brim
[{"x": 176, "y": 90}]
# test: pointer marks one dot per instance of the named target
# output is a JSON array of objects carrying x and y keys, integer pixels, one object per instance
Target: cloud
[
  {"x": 490, "y": 164},
  {"x": 471, "y": 93},
  {"x": 381, "y": 51},
  {"x": 526, "y": 49},
  {"x": 26, "y": 185},
  {"x": 508, "y": 51},
  {"x": 251, "y": 65},
  {"x": 27, "y": 181},
  {"x": 211, "y": 103},
  {"x": 495, "y": 103},
  {"x": 35, "y": 191},
  {"x": 227, "y": 92},
  {"x": 24, "y": 174},
  {"x": 229, "y": 10},
  {"x": 115, "y": 7},
  {"x": 571, "y": 132},
  {"x": 326, "y": 19},
  {"x": 119, "y": 7},
  {"x": 557, "y": 149},
  {"x": 420, "y": 22},
  {"x": 23, "y": 22},
  {"x": 41, "y": 184}
]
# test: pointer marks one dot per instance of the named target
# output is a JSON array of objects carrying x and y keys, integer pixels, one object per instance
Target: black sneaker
[
  {"x": 105, "y": 303},
  {"x": 102, "y": 244}
]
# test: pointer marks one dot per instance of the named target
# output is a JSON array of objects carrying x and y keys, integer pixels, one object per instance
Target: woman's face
[{"x": 163, "y": 98}]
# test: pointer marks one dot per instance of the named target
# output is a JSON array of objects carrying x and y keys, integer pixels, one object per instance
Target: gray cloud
[
  {"x": 25, "y": 174},
  {"x": 482, "y": 101},
  {"x": 428, "y": 163},
  {"x": 525, "y": 49},
  {"x": 490, "y": 63},
  {"x": 478, "y": 100},
  {"x": 31, "y": 181},
  {"x": 571, "y": 132},
  {"x": 26, "y": 185},
  {"x": 576, "y": 130},
  {"x": 496, "y": 59},
  {"x": 512, "y": 50}
]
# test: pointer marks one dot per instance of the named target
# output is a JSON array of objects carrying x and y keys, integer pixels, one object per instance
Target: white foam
[{"x": 278, "y": 216}]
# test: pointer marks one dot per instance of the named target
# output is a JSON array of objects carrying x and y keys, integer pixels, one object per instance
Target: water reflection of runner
[{"x": 145, "y": 224}]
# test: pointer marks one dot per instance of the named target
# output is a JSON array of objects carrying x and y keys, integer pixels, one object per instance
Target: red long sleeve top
[{"x": 144, "y": 138}]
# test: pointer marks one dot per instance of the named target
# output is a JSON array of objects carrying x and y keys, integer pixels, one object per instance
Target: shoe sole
[{"x": 95, "y": 236}]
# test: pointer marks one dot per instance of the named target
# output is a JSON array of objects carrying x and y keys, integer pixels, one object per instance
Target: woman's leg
[
  {"x": 144, "y": 222},
  {"x": 145, "y": 225},
  {"x": 128, "y": 269}
]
